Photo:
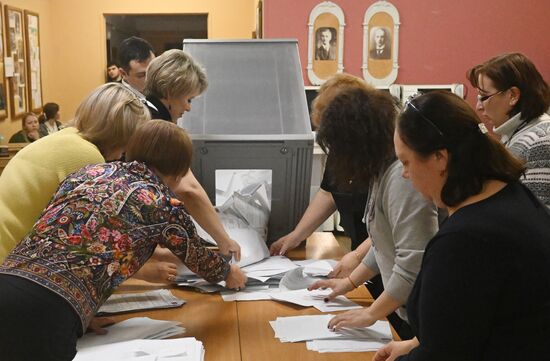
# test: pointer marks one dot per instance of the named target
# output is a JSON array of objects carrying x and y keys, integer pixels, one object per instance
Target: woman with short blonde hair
[
  {"x": 173, "y": 80},
  {"x": 109, "y": 116}
]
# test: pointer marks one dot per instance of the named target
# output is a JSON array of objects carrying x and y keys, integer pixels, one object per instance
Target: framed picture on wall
[
  {"x": 3, "y": 97},
  {"x": 325, "y": 42},
  {"x": 32, "y": 39},
  {"x": 380, "y": 44},
  {"x": 15, "y": 49}
]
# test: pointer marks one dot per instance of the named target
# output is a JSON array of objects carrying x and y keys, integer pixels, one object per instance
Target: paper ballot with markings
[{"x": 128, "y": 302}]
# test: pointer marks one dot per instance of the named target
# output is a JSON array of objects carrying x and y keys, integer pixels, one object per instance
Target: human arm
[
  {"x": 197, "y": 202},
  {"x": 365, "y": 317},
  {"x": 180, "y": 236},
  {"x": 394, "y": 349},
  {"x": 404, "y": 222},
  {"x": 350, "y": 261},
  {"x": 537, "y": 162},
  {"x": 341, "y": 286},
  {"x": 97, "y": 325},
  {"x": 320, "y": 208}
]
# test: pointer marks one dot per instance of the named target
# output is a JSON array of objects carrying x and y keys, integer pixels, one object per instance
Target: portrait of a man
[
  {"x": 381, "y": 44},
  {"x": 326, "y": 44}
]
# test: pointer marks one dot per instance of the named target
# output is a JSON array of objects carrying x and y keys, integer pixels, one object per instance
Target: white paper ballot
[
  {"x": 181, "y": 349},
  {"x": 316, "y": 299},
  {"x": 257, "y": 293},
  {"x": 339, "y": 345},
  {"x": 304, "y": 328},
  {"x": 295, "y": 280},
  {"x": 131, "y": 329}
]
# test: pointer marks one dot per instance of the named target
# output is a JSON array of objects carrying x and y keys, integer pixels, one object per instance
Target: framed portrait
[
  {"x": 326, "y": 42},
  {"x": 380, "y": 44},
  {"x": 15, "y": 48},
  {"x": 3, "y": 97},
  {"x": 32, "y": 39}
]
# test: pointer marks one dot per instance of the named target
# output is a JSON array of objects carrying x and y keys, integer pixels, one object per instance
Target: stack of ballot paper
[
  {"x": 128, "y": 302},
  {"x": 181, "y": 349},
  {"x": 314, "y": 330},
  {"x": 132, "y": 329},
  {"x": 267, "y": 272},
  {"x": 315, "y": 268}
]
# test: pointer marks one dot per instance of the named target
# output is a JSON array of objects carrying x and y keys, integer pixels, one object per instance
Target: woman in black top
[
  {"x": 483, "y": 292},
  {"x": 173, "y": 80}
]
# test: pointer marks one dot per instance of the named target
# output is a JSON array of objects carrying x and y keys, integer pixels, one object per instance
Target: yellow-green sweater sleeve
[{"x": 31, "y": 178}]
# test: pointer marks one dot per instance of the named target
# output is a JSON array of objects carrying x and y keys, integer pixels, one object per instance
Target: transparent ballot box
[{"x": 253, "y": 116}]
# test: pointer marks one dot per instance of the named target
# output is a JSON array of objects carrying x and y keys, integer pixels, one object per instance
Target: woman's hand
[
  {"x": 230, "y": 249},
  {"x": 338, "y": 287},
  {"x": 346, "y": 265},
  {"x": 236, "y": 279},
  {"x": 97, "y": 323},
  {"x": 394, "y": 349},
  {"x": 157, "y": 272},
  {"x": 284, "y": 244},
  {"x": 34, "y": 135},
  {"x": 353, "y": 318}
]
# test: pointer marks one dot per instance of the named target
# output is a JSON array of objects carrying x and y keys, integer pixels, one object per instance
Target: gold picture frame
[
  {"x": 3, "y": 92},
  {"x": 15, "y": 49},
  {"x": 32, "y": 39}
]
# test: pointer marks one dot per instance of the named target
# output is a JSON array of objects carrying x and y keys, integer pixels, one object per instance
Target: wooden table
[{"x": 240, "y": 330}]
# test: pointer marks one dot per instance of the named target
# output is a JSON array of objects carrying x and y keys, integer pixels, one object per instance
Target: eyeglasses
[
  {"x": 409, "y": 103},
  {"x": 482, "y": 98}
]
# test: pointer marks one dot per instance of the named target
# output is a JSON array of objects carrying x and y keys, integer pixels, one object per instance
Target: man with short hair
[
  {"x": 113, "y": 73},
  {"x": 134, "y": 56},
  {"x": 381, "y": 48},
  {"x": 326, "y": 50}
]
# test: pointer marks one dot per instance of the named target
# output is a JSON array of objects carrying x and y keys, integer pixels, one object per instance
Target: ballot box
[{"x": 253, "y": 116}]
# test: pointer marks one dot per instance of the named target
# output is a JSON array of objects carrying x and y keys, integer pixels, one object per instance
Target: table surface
[{"x": 241, "y": 330}]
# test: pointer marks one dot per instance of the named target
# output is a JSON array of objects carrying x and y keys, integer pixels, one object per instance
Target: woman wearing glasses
[
  {"x": 357, "y": 129},
  {"x": 484, "y": 286},
  {"x": 514, "y": 97}
]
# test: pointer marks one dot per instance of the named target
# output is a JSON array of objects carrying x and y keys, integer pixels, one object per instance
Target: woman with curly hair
[{"x": 357, "y": 131}]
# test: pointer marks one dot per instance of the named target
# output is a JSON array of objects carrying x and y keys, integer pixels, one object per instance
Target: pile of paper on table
[
  {"x": 128, "y": 302},
  {"x": 132, "y": 329},
  {"x": 314, "y": 329},
  {"x": 265, "y": 273},
  {"x": 180, "y": 349}
]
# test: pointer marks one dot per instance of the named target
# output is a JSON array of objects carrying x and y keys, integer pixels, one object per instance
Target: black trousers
[
  {"x": 35, "y": 323},
  {"x": 402, "y": 328}
]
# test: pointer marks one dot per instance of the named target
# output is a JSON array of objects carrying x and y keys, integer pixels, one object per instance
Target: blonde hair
[
  {"x": 109, "y": 116},
  {"x": 330, "y": 89},
  {"x": 163, "y": 146},
  {"x": 174, "y": 73}
]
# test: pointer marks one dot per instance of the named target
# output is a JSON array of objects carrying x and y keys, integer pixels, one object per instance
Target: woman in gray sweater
[{"x": 357, "y": 130}]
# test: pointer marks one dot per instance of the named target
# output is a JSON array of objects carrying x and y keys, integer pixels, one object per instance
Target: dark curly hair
[
  {"x": 357, "y": 129},
  {"x": 441, "y": 120}
]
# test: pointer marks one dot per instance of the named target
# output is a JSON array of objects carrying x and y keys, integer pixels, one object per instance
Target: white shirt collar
[{"x": 507, "y": 129}]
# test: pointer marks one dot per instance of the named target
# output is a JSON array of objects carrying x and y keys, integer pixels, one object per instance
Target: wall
[
  {"x": 439, "y": 40},
  {"x": 73, "y": 40}
]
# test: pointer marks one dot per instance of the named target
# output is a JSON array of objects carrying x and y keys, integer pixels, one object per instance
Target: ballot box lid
[{"x": 255, "y": 91}]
